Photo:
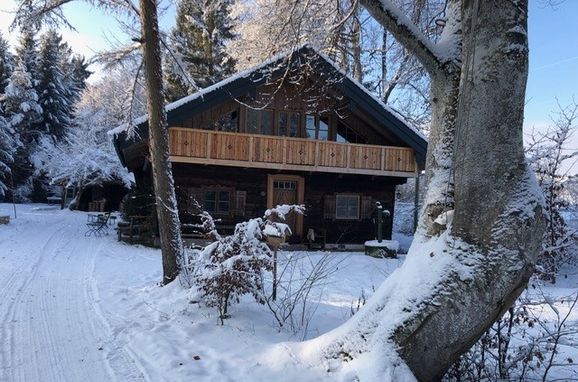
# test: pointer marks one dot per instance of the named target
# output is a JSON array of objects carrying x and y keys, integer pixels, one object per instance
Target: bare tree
[
  {"x": 479, "y": 262},
  {"x": 40, "y": 11}
]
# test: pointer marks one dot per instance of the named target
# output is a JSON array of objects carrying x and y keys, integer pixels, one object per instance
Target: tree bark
[
  {"x": 166, "y": 205},
  {"x": 480, "y": 262}
]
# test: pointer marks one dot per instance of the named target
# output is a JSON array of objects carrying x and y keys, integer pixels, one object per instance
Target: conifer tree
[
  {"x": 27, "y": 51},
  {"x": 23, "y": 113},
  {"x": 6, "y": 63},
  {"x": 198, "y": 48},
  {"x": 7, "y": 149},
  {"x": 54, "y": 97}
]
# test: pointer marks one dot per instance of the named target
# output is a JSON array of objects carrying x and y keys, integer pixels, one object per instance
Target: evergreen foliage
[
  {"x": 6, "y": 63},
  {"x": 198, "y": 48},
  {"x": 27, "y": 50},
  {"x": 22, "y": 112},
  {"x": 8, "y": 144},
  {"x": 54, "y": 97}
]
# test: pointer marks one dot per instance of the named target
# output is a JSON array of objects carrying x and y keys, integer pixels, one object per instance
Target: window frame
[
  {"x": 348, "y": 217},
  {"x": 217, "y": 201},
  {"x": 259, "y": 119},
  {"x": 316, "y": 130}
]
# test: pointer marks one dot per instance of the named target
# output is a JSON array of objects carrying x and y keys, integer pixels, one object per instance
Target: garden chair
[{"x": 97, "y": 224}]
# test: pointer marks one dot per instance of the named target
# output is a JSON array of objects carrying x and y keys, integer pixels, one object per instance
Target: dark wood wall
[{"x": 320, "y": 188}]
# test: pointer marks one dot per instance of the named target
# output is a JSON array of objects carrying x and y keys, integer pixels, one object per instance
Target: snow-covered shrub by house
[{"x": 233, "y": 266}]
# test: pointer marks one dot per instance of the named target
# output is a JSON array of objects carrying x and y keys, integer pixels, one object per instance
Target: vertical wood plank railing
[{"x": 262, "y": 151}]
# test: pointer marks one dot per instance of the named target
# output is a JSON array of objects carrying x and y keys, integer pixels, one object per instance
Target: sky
[{"x": 552, "y": 35}]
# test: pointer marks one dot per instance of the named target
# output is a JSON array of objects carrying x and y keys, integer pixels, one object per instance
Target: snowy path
[{"x": 50, "y": 326}]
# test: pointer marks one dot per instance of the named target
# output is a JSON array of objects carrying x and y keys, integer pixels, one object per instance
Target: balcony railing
[{"x": 282, "y": 153}]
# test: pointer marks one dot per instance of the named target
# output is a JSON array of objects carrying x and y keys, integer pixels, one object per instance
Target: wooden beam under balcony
[{"x": 282, "y": 153}]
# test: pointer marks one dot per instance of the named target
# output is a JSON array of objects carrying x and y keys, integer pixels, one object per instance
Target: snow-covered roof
[{"x": 241, "y": 82}]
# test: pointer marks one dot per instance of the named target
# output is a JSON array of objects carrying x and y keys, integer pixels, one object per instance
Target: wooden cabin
[{"x": 293, "y": 130}]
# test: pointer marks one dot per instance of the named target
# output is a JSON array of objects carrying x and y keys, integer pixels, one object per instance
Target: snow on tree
[
  {"x": 54, "y": 97},
  {"x": 549, "y": 155},
  {"x": 458, "y": 278},
  {"x": 8, "y": 144},
  {"x": 85, "y": 156},
  {"x": 27, "y": 50},
  {"x": 269, "y": 27},
  {"x": 76, "y": 73},
  {"x": 22, "y": 112},
  {"x": 198, "y": 55},
  {"x": 6, "y": 63},
  {"x": 233, "y": 266}
]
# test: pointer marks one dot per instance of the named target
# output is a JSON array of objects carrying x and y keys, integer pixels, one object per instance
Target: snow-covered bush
[{"x": 233, "y": 266}]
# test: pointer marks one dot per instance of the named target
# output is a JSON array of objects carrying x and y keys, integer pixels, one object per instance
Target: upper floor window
[
  {"x": 346, "y": 135},
  {"x": 288, "y": 124},
  {"x": 228, "y": 122},
  {"x": 317, "y": 127},
  {"x": 260, "y": 121}
]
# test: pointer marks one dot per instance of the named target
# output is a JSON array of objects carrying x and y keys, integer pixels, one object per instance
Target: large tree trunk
[
  {"x": 167, "y": 213},
  {"x": 459, "y": 277}
]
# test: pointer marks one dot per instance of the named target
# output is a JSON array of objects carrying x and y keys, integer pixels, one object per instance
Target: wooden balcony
[{"x": 282, "y": 153}]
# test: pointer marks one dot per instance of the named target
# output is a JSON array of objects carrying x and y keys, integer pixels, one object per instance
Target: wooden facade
[
  {"x": 248, "y": 144},
  {"x": 294, "y": 154}
]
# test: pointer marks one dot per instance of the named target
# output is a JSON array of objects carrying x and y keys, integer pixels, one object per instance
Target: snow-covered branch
[{"x": 432, "y": 56}]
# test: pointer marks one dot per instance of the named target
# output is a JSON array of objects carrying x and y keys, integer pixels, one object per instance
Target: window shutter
[
  {"x": 366, "y": 207},
  {"x": 240, "y": 201},
  {"x": 329, "y": 207}
]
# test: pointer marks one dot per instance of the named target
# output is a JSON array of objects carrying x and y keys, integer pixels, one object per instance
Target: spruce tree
[
  {"x": 54, "y": 97},
  {"x": 27, "y": 51},
  {"x": 76, "y": 73},
  {"x": 23, "y": 113},
  {"x": 198, "y": 46},
  {"x": 6, "y": 63},
  {"x": 8, "y": 145}
]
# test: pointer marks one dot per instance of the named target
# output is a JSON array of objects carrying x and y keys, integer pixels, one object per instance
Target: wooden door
[{"x": 287, "y": 189}]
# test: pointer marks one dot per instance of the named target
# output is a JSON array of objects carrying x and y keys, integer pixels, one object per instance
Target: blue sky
[
  {"x": 553, "y": 71},
  {"x": 552, "y": 34}
]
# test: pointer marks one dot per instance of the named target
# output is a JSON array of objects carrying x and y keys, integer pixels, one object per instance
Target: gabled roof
[{"x": 246, "y": 81}]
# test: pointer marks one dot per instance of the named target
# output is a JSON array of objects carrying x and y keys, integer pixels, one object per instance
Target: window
[
  {"x": 285, "y": 185},
  {"x": 317, "y": 127},
  {"x": 347, "y": 207},
  {"x": 288, "y": 124},
  {"x": 227, "y": 122},
  {"x": 260, "y": 121},
  {"x": 217, "y": 202},
  {"x": 346, "y": 135}
]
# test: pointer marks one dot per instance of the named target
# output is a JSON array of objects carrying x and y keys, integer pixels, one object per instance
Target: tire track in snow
[
  {"x": 50, "y": 328},
  {"x": 13, "y": 291}
]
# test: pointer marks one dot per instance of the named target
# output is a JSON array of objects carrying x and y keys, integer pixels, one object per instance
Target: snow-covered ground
[{"x": 76, "y": 308}]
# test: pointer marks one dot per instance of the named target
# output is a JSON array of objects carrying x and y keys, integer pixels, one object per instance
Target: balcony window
[
  {"x": 317, "y": 127},
  {"x": 260, "y": 121},
  {"x": 347, "y": 207},
  {"x": 346, "y": 135},
  {"x": 288, "y": 124},
  {"x": 228, "y": 122}
]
